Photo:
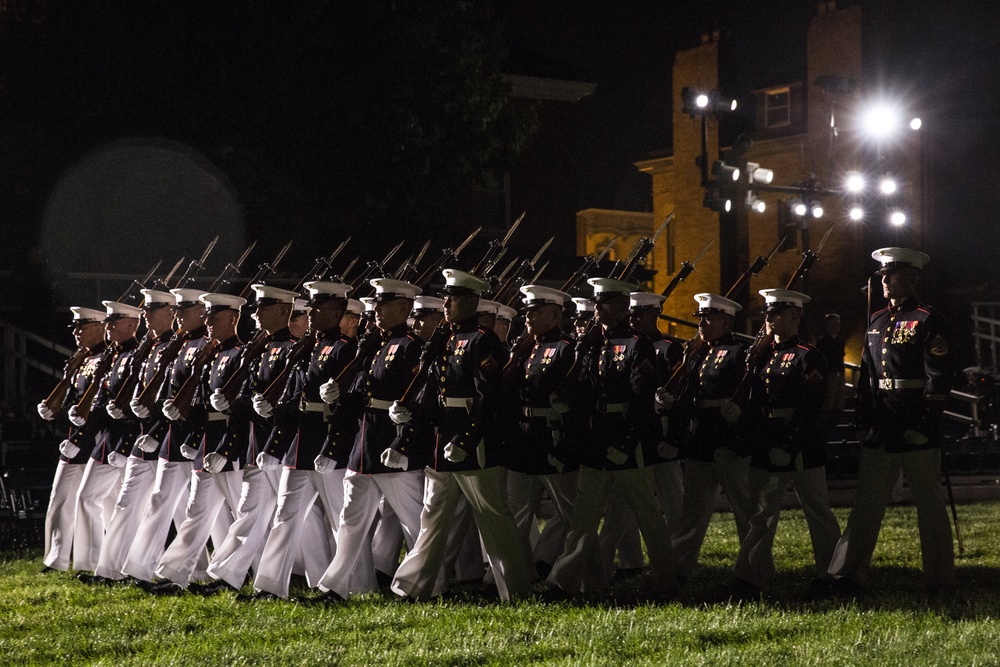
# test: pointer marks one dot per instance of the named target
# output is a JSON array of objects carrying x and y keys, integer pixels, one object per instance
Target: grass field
[{"x": 53, "y": 619}]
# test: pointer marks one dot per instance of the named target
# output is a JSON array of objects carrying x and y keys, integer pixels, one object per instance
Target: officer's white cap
[
  {"x": 425, "y": 303},
  {"x": 506, "y": 313},
  {"x": 387, "y": 289},
  {"x": 321, "y": 291},
  {"x": 218, "y": 303},
  {"x": 300, "y": 306},
  {"x": 355, "y": 306},
  {"x": 605, "y": 288},
  {"x": 645, "y": 300},
  {"x": 893, "y": 259},
  {"x": 187, "y": 297},
  {"x": 267, "y": 295},
  {"x": 154, "y": 299},
  {"x": 708, "y": 302},
  {"x": 583, "y": 305},
  {"x": 461, "y": 282},
  {"x": 776, "y": 300},
  {"x": 83, "y": 316},
  {"x": 487, "y": 307},
  {"x": 368, "y": 302},
  {"x": 540, "y": 295},
  {"x": 119, "y": 311}
]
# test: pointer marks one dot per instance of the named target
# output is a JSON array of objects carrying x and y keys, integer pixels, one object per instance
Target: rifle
[
  {"x": 641, "y": 250},
  {"x": 163, "y": 284},
  {"x": 302, "y": 349},
  {"x": 130, "y": 294},
  {"x": 589, "y": 263},
  {"x": 232, "y": 269},
  {"x": 86, "y": 402},
  {"x": 265, "y": 269},
  {"x": 496, "y": 250},
  {"x": 517, "y": 278},
  {"x": 368, "y": 346},
  {"x": 448, "y": 256},
  {"x": 374, "y": 269},
  {"x": 196, "y": 265},
  {"x": 755, "y": 268},
  {"x": 808, "y": 259},
  {"x": 135, "y": 369},
  {"x": 322, "y": 266},
  {"x": 184, "y": 396},
  {"x": 54, "y": 401},
  {"x": 685, "y": 271},
  {"x": 147, "y": 397},
  {"x": 409, "y": 268}
]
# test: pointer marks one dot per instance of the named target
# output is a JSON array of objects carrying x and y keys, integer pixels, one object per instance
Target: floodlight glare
[
  {"x": 856, "y": 213},
  {"x": 758, "y": 174},
  {"x": 880, "y": 121},
  {"x": 855, "y": 182},
  {"x": 817, "y": 211},
  {"x": 757, "y": 205},
  {"x": 898, "y": 218},
  {"x": 915, "y": 124},
  {"x": 701, "y": 101},
  {"x": 888, "y": 186},
  {"x": 724, "y": 172},
  {"x": 799, "y": 208}
]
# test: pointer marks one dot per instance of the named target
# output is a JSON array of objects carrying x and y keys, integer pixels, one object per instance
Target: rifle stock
[{"x": 54, "y": 401}]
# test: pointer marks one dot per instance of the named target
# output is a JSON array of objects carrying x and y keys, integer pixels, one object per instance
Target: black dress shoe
[
  {"x": 161, "y": 587},
  {"x": 329, "y": 597},
  {"x": 255, "y": 597},
  {"x": 744, "y": 591},
  {"x": 47, "y": 569},
  {"x": 383, "y": 579},
  {"x": 213, "y": 588},
  {"x": 95, "y": 580}
]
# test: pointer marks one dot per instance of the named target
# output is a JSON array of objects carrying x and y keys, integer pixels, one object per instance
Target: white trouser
[
  {"x": 620, "y": 535},
  {"x": 60, "y": 517},
  {"x": 877, "y": 473},
  {"x": 209, "y": 512},
  {"x": 387, "y": 541},
  {"x": 524, "y": 495},
  {"x": 130, "y": 506},
  {"x": 464, "y": 558},
  {"x": 166, "y": 503},
  {"x": 668, "y": 478},
  {"x": 243, "y": 545},
  {"x": 581, "y": 568},
  {"x": 420, "y": 575},
  {"x": 352, "y": 571},
  {"x": 95, "y": 503},
  {"x": 297, "y": 491},
  {"x": 701, "y": 487},
  {"x": 755, "y": 561}
]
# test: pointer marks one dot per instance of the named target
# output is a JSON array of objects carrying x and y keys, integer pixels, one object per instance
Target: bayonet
[
  {"x": 541, "y": 251},
  {"x": 538, "y": 274},
  {"x": 823, "y": 240},
  {"x": 607, "y": 249},
  {"x": 166, "y": 281},
  {"x": 198, "y": 265},
  {"x": 420, "y": 255},
  {"x": 232, "y": 269},
  {"x": 702, "y": 253},
  {"x": 662, "y": 227},
  {"x": 503, "y": 274},
  {"x": 466, "y": 242},
  {"x": 343, "y": 274}
]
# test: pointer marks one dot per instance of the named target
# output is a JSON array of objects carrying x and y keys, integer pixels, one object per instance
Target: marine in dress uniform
[
  {"x": 172, "y": 483},
  {"x": 101, "y": 482},
  {"x": 302, "y": 424},
  {"x": 214, "y": 498},
  {"x": 242, "y": 547},
  {"x": 716, "y": 454},
  {"x": 139, "y": 466},
  {"x": 624, "y": 424},
  {"x": 535, "y": 374},
  {"x": 60, "y": 517},
  {"x": 377, "y": 476},
  {"x": 461, "y": 399},
  {"x": 907, "y": 370},
  {"x": 787, "y": 448}
]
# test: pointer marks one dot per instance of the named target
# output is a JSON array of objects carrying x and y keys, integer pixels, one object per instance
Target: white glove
[
  {"x": 453, "y": 452},
  {"x": 215, "y": 462},
  {"x": 730, "y": 411},
  {"x": 914, "y": 437},
  {"x": 138, "y": 409},
  {"x": 324, "y": 464},
  {"x": 557, "y": 405},
  {"x": 68, "y": 449},
  {"x": 617, "y": 456},
  {"x": 170, "y": 410},
  {"x": 399, "y": 414},
  {"x": 778, "y": 457},
  {"x": 218, "y": 401},
  {"x": 666, "y": 450},
  {"x": 267, "y": 462},
  {"x": 147, "y": 443},
  {"x": 392, "y": 458},
  {"x": 114, "y": 411},
  {"x": 117, "y": 459},
  {"x": 329, "y": 391},
  {"x": 75, "y": 418},
  {"x": 189, "y": 452},
  {"x": 664, "y": 399},
  {"x": 45, "y": 413},
  {"x": 556, "y": 463},
  {"x": 261, "y": 406}
]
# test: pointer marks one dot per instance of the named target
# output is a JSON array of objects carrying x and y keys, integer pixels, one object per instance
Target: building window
[{"x": 777, "y": 107}]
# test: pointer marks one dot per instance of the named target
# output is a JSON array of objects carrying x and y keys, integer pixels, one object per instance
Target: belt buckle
[{"x": 886, "y": 384}]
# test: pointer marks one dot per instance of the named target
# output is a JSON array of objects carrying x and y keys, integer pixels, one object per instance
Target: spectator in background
[{"x": 831, "y": 346}]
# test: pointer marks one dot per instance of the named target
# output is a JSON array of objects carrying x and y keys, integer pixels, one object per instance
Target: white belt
[
  {"x": 538, "y": 412},
  {"x": 781, "y": 413},
  {"x": 612, "y": 408},
  {"x": 312, "y": 406},
  {"x": 377, "y": 404},
  {"x": 711, "y": 402},
  {"x": 449, "y": 402},
  {"x": 889, "y": 384},
  {"x": 218, "y": 417}
]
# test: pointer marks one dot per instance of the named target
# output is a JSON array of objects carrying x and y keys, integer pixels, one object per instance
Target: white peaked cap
[
  {"x": 779, "y": 299},
  {"x": 300, "y": 305},
  {"x": 539, "y": 295},
  {"x": 369, "y": 303},
  {"x": 899, "y": 258},
  {"x": 355, "y": 306},
  {"x": 118, "y": 311},
  {"x": 83, "y": 315},
  {"x": 154, "y": 298},
  {"x": 487, "y": 306},
  {"x": 425, "y": 303},
  {"x": 387, "y": 289},
  {"x": 273, "y": 294},
  {"x": 326, "y": 288},
  {"x": 583, "y": 305},
  {"x": 506, "y": 313},
  {"x": 645, "y": 300},
  {"x": 186, "y": 296},
  {"x": 707, "y": 301},
  {"x": 218, "y": 302},
  {"x": 462, "y": 282},
  {"x": 610, "y": 287}
]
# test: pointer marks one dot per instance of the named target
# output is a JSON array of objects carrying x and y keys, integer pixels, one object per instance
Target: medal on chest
[
  {"x": 787, "y": 359},
  {"x": 904, "y": 332},
  {"x": 324, "y": 353}
]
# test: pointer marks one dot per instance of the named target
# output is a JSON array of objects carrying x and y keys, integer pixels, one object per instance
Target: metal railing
[{"x": 25, "y": 352}]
